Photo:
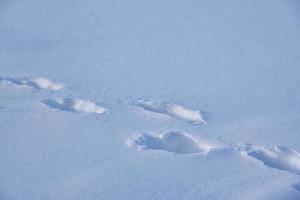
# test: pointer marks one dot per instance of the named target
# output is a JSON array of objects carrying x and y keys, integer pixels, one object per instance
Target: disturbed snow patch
[
  {"x": 176, "y": 142},
  {"x": 74, "y": 105},
  {"x": 278, "y": 157},
  {"x": 34, "y": 82},
  {"x": 173, "y": 110}
]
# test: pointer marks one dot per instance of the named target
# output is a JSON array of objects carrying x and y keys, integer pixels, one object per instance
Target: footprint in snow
[
  {"x": 175, "y": 142},
  {"x": 277, "y": 157},
  {"x": 74, "y": 105},
  {"x": 33, "y": 82},
  {"x": 172, "y": 110}
]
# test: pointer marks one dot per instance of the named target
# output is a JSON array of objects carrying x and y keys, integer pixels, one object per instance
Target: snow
[{"x": 112, "y": 99}]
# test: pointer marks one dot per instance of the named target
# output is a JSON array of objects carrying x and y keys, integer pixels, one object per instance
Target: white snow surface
[{"x": 201, "y": 100}]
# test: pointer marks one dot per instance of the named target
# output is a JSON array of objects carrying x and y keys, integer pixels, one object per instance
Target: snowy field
[{"x": 150, "y": 100}]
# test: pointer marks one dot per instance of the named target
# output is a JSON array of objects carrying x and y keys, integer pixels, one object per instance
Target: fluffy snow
[{"x": 203, "y": 100}]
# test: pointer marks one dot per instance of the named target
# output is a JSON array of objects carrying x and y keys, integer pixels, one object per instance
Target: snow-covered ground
[{"x": 113, "y": 99}]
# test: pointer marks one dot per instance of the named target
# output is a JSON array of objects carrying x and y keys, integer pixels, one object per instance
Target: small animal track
[
  {"x": 74, "y": 105},
  {"x": 278, "y": 157},
  {"x": 173, "y": 110},
  {"x": 175, "y": 142},
  {"x": 34, "y": 82}
]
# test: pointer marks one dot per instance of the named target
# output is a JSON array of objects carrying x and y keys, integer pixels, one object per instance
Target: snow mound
[
  {"x": 173, "y": 110},
  {"x": 74, "y": 105},
  {"x": 278, "y": 157},
  {"x": 34, "y": 82},
  {"x": 176, "y": 142}
]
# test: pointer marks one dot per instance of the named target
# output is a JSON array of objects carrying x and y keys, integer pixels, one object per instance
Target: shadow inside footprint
[
  {"x": 66, "y": 104},
  {"x": 296, "y": 186},
  {"x": 74, "y": 105}
]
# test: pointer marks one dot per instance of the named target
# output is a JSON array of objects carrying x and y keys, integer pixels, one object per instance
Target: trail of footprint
[
  {"x": 173, "y": 110},
  {"x": 175, "y": 142},
  {"x": 278, "y": 157},
  {"x": 34, "y": 82},
  {"x": 74, "y": 105}
]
